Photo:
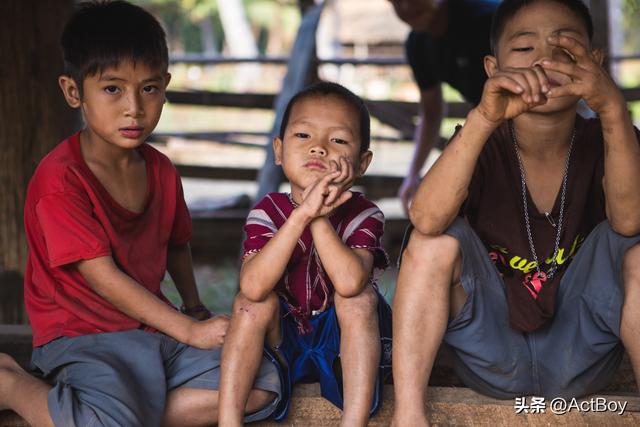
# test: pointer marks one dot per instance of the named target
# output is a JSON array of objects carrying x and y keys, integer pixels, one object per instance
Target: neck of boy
[
  {"x": 95, "y": 150},
  {"x": 544, "y": 136}
]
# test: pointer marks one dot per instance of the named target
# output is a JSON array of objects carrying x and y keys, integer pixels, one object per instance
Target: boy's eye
[
  {"x": 522, "y": 49},
  {"x": 301, "y": 135},
  {"x": 111, "y": 90},
  {"x": 339, "y": 141},
  {"x": 150, "y": 89}
]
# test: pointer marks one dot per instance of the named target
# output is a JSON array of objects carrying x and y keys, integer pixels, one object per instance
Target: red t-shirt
[{"x": 69, "y": 216}]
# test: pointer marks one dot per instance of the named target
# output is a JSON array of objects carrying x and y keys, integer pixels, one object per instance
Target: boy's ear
[
  {"x": 167, "y": 79},
  {"x": 490, "y": 65},
  {"x": 277, "y": 150},
  {"x": 70, "y": 91},
  {"x": 598, "y": 55},
  {"x": 365, "y": 161}
]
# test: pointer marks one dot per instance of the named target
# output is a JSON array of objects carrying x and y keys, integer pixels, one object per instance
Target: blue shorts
[
  {"x": 315, "y": 357},
  {"x": 575, "y": 355},
  {"x": 122, "y": 378}
]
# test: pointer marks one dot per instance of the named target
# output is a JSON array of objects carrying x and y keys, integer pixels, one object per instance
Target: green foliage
[
  {"x": 181, "y": 19},
  {"x": 631, "y": 12}
]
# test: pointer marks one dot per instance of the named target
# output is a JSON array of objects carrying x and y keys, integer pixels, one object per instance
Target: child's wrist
[
  {"x": 615, "y": 110},
  {"x": 300, "y": 218}
]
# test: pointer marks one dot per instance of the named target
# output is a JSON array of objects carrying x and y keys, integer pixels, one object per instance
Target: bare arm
[
  {"x": 621, "y": 172},
  {"x": 432, "y": 110},
  {"x": 180, "y": 267},
  {"x": 261, "y": 271},
  {"x": 622, "y": 153},
  {"x": 507, "y": 94},
  {"x": 134, "y": 300},
  {"x": 349, "y": 269}
]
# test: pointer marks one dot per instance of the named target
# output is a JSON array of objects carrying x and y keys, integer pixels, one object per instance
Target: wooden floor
[{"x": 447, "y": 406}]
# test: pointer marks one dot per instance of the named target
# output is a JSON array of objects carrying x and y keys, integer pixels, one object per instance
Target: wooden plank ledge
[{"x": 447, "y": 406}]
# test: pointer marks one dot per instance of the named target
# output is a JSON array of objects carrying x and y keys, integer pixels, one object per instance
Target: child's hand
[
  {"x": 328, "y": 192},
  {"x": 209, "y": 333},
  {"x": 588, "y": 79},
  {"x": 343, "y": 182},
  {"x": 512, "y": 91}
]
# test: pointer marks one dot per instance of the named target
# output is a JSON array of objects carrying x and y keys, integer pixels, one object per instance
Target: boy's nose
[
  {"x": 134, "y": 106},
  {"x": 318, "y": 150},
  {"x": 554, "y": 53}
]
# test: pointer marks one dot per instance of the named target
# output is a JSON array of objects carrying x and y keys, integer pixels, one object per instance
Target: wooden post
[{"x": 34, "y": 118}]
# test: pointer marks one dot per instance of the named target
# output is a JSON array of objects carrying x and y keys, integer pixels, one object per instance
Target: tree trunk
[
  {"x": 240, "y": 42},
  {"x": 34, "y": 118}
]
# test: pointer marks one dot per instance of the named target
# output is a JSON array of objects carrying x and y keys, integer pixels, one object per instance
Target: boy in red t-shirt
[{"x": 105, "y": 218}]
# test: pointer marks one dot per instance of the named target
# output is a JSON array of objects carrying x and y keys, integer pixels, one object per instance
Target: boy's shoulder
[
  {"x": 52, "y": 173},
  {"x": 64, "y": 170}
]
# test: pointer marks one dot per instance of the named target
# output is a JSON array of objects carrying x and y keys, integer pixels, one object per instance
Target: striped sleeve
[
  {"x": 365, "y": 230},
  {"x": 259, "y": 229}
]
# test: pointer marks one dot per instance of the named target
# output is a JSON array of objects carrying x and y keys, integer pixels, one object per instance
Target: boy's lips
[
  {"x": 131, "y": 132},
  {"x": 315, "y": 164}
]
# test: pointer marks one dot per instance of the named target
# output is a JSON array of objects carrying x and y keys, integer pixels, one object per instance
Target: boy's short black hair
[
  {"x": 345, "y": 95},
  {"x": 508, "y": 8},
  {"x": 102, "y": 34}
]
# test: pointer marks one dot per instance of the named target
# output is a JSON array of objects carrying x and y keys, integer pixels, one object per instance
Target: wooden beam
[{"x": 266, "y": 100}]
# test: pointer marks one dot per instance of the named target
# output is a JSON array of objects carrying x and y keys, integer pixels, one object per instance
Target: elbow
[{"x": 426, "y": 224}]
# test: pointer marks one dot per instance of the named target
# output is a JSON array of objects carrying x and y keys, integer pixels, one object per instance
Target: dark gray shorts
[
  {"x": 122, "y": 378},
  {"x": 577, "y": 354}
]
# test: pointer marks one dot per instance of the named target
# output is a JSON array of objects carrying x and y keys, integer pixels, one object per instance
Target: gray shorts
[
  {"x": 577, "y": 354},
  {"x": 122, "y": 378}
]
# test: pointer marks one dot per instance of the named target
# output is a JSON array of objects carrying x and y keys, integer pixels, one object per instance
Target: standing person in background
[{"x": 447, "y": 43}]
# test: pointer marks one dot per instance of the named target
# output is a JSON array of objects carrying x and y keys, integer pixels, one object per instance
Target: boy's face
[
  {"x": 524, "y": 43},
  {"x": 321, "y": 130},
  {"x": 121, "y": 105}
]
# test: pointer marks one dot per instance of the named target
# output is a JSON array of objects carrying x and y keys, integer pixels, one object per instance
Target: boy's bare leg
[
  {"x": 630, "y": 320},
  {"x": 422, "y": 303},
  {"x": 359, "y": 353},
  {"x": 190, "y": 407},
  {"x": 23, "y": 393},
  {"x": 250, "y": 323}
]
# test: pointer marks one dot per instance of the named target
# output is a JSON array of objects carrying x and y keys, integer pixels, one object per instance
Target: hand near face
[
  {"x": 510, "y": 92},
  {"x": 329, "y": 191},
  {"x": 588, "y": 79}
]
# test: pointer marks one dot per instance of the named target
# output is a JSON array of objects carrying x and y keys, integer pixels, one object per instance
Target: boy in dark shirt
[
  {"x": 105, "y": 218},
  {"x": 553, "y": 198}
]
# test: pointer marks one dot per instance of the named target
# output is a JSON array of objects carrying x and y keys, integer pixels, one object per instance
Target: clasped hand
[
  {"x": 329, "y": 191},
  {"x": 510, "y": 92}
]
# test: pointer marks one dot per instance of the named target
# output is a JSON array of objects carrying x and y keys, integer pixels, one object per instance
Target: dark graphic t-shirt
[{"x": 494, "y": 209}]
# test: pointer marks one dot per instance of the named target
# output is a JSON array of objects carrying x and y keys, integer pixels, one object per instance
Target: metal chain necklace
[{"x": 554, "y": 264}]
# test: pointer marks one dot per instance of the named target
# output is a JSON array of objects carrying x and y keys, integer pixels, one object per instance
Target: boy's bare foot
[{"x": 9, "y": 371}]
